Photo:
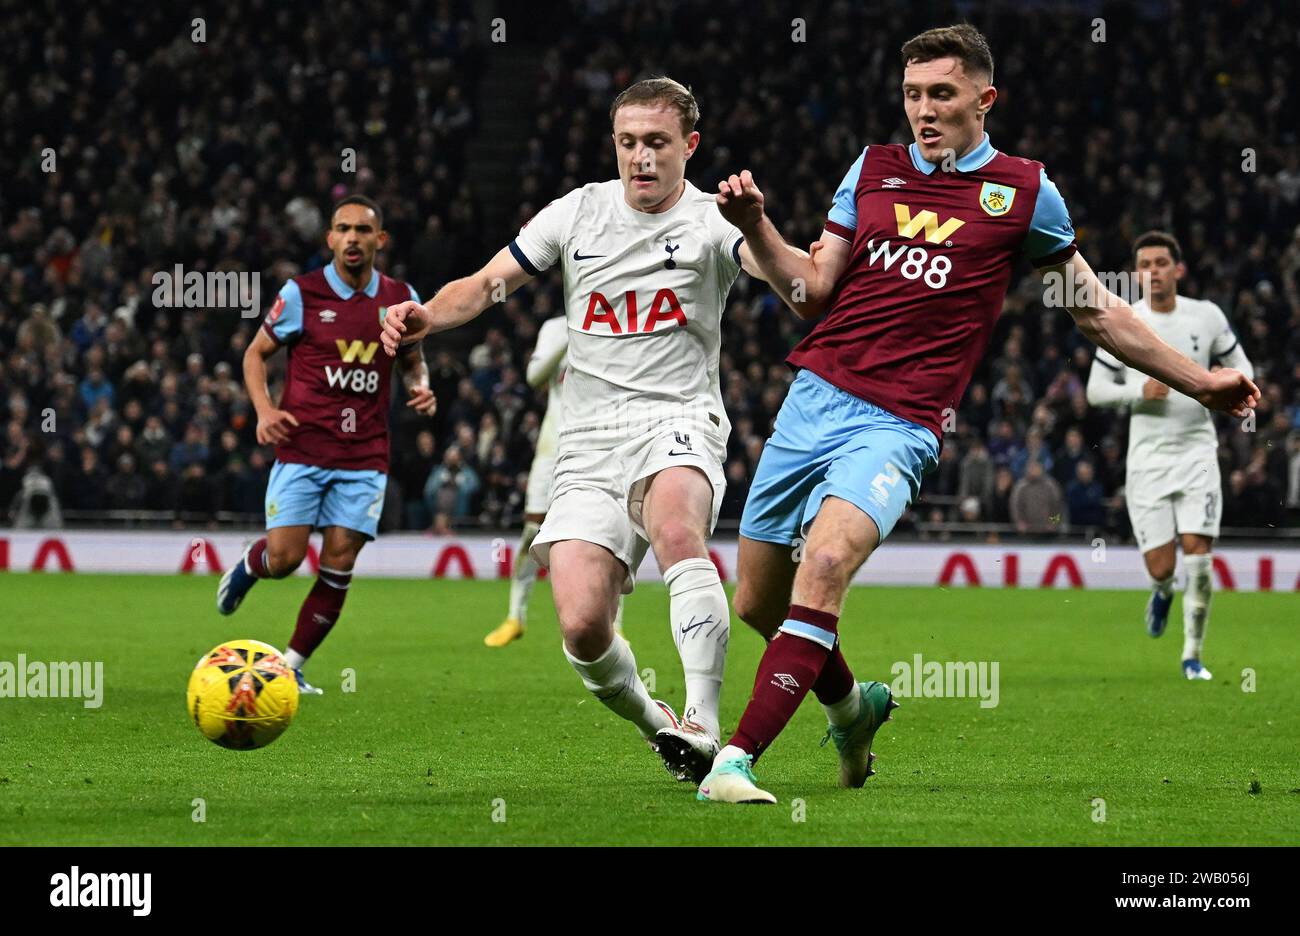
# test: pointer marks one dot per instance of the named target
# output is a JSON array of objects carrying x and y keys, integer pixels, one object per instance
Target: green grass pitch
[{"x": 443, "y": 735}]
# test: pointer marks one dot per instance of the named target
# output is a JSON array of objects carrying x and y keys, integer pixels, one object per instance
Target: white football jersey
[
  {"x": 1175, "y": 431},
  {"x": 548, "y": 363},
  {"x": 644, "y": 296}
]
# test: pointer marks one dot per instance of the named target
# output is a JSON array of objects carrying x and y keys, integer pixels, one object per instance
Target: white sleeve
[
  {"x": 552, "y": 342},
  {"x": 540, "y": 242},
  {"x": 1110, "y": 382},
  {"x": 726, "y": 240},
  {"x": 1226, "y": 349}
]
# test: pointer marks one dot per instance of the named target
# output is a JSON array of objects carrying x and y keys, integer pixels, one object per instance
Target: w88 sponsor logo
[
  {"x": 917, "y": 263},
  {"x": 356, "y": 379}
]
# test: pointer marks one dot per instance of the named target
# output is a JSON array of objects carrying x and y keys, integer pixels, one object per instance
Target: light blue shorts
[
  {"x": 828, "y": 442},
  {"x": 305, "y": 495}
]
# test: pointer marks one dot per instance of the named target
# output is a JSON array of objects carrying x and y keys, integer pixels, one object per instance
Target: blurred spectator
[
  {"x": 451, "y": 487},
  {"x": 1083, "y": 499},
  {"x": 37, "y": 504},
  {"x": 1036, "y": 502}
]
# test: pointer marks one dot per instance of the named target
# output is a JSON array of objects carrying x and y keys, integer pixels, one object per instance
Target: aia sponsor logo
[{"x": 665, "y": 312}]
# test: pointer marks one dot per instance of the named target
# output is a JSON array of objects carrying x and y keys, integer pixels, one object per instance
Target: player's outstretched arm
[
  {"x": 455, "y": 304},
  {"x": 804, "y": 282},
  {"x": 1109, "y": 322}
]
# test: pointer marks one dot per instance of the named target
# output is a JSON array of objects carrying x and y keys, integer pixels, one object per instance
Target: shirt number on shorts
[{"x": 882, "y": 485}]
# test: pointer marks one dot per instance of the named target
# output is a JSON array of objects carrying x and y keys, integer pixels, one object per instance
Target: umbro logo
[
  {"x": 785, "y": 681},
  {"x": 328, "y": 315},
  {"x": 892, "y": 182},
  {"x": 582, "y": 256}
]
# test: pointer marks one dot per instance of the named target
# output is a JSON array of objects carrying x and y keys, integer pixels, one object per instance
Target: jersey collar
[
  {"x": 973, "y": 160},
  {"x": 343, "y": 290}
]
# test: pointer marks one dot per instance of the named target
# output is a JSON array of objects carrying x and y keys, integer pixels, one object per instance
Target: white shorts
[
  {"x": 540, "y": 475},
  {"x": 600, "y": 489},
  {"x": 1164, "y": 502}
]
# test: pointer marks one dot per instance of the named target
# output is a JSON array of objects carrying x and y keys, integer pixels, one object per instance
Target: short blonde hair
[{"x": 663, "y": 91}]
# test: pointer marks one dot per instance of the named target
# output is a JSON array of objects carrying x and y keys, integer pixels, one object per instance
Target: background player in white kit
[
  {"x": 546, "y": 367},
  {"x": 648, "y": 262},
  {"x": 1173, "y": 486}
]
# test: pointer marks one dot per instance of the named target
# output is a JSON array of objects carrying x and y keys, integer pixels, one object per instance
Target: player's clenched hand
[
  {"x": 740, "y": 201},
  {"x": 398, "y": 320},
  {"x": 423, "y": 401},
  {"x": 1154, "y": 390},
  {"x": 1229, "y": 391},
  {"x": 273, "y": 426}
]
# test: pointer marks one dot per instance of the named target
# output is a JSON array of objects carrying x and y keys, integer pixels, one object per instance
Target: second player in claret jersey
[
  {"x": 917, "y": 254},
  {"x": 330, "y": 426}
]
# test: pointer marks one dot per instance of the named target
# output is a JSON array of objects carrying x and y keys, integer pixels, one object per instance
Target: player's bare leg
[
  {"x": 586, "y": 581},
  {"x": 805, "y": 652},
  {"x": 522, "y": 580},
  {"x": 677, "y": 511},
  {"x": 1196, "y": 601},
  {"x": 765, "y": 581},
  {"x": 321, "y": 608},
  {"x": 1160, "y": 563},
  {"x": 275, "y": 555}
]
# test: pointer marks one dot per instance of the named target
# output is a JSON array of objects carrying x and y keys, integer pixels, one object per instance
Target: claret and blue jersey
[
  {"x": 332, "y": 471},
  {"x": 932, "y": 250}
]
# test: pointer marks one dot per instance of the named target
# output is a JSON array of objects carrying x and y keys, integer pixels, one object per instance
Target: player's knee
[
  {"x": 585, "y": 636},
  {"x": 1160, "y": 568},
  {"x": 830, "y": 562},
  {"x": 675, "y": 540}
]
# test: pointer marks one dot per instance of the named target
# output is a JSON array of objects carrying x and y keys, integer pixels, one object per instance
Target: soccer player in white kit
[
  {"x": 546, "y": 366},
  {"x": 1173, "y": 487},
  {"x": 648, "y": 262}
]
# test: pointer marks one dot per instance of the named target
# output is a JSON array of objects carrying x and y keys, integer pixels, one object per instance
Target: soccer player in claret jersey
[
  {"x": 918, "y": 252},
  {"x": 648, "y": 262},
  {"x": 330, "y": 427},
  {"x": 1172, "y": 486}
]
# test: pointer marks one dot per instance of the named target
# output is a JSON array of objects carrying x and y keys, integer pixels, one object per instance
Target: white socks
[
  {"x": 1196, "y": 603},
  {"x": 701, "y": 623},
  {"x": 613, "y": 679},
  {"x": 294, "y": 658},
  {"x": 728, "y": 752},
  {"x": 525, "y": 574},
  {"x": 845, "y": 712}
]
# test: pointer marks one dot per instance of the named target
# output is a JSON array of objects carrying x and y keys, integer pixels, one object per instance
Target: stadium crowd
[{"x": 225, "y": 155}]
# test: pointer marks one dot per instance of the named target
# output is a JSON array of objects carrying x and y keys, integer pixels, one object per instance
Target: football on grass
[{"x": 242, "y": 694}]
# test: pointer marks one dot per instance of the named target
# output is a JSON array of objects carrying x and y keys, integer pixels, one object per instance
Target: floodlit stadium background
[{"x": 227, "y": 153}]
